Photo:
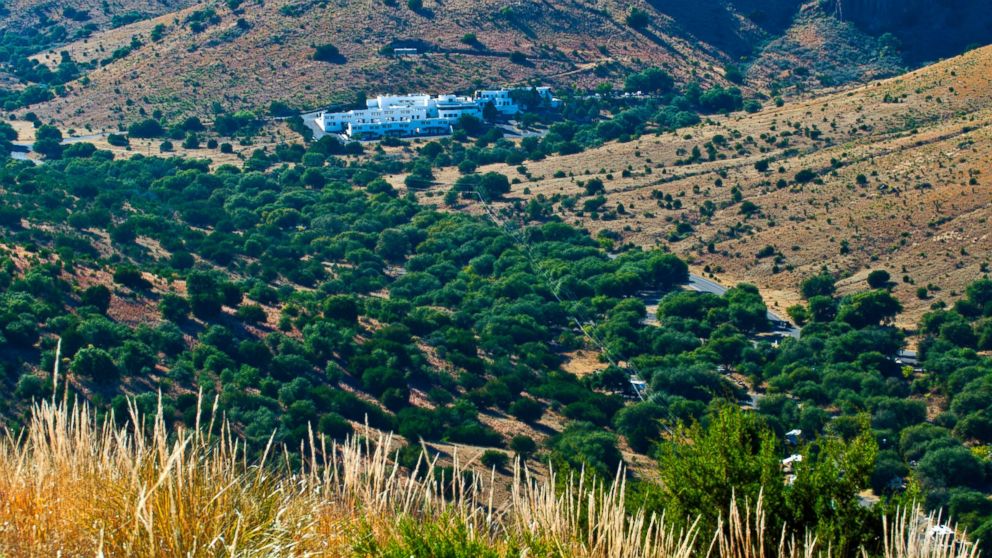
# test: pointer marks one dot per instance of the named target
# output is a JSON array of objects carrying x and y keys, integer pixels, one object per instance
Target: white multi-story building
[
  {"x": 503, "y": 99},
  {"x": 420, "y": 115},
  {"x": 400, "y": 116}
]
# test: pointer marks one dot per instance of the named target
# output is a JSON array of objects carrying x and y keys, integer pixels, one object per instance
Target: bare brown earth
[
  {"x": 922, "y": 142},
  {"x": 259, "y": 54},
  {"x": 100, "y": 12}
]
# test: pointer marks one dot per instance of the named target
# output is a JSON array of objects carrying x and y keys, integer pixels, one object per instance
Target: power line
[{"x": 554, "y": 288}]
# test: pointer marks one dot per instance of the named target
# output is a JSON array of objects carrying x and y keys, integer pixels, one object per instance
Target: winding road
[
  {"x": 23, "y": 149},
  {"x": 704, "y": 285}
]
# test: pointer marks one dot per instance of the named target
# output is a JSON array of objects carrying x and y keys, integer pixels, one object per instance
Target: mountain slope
[
  {"x": 898, "y": 179},
  {"x": 262, "y": 52},
  {"x": 245, "y": 54},
  {"x": 927, "y": 30},
  {"x": 819, "y": 50},
  {"x": 83, "y": 16}
]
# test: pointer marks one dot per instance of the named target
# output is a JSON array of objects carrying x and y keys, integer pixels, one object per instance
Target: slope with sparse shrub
[{"x": 891, "y": 175}]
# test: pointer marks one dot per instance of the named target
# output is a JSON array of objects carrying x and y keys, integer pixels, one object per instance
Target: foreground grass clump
[{"x": 72, "y": 485}]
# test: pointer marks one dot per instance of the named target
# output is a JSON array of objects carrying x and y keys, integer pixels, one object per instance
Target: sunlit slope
[
  {"x": 260, "y": 52},
  {"x": 900, "y": 180}
]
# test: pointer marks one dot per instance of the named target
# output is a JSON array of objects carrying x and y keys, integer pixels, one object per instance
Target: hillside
[
  {"x": 497, "y": 342},
  {"x": 901, "y": 182},
  {"x": 83, "y": 16},
  {"x": 321, "y": 290},
  {"x": 245, "y": 54},
  {"x": 233, "y": 60},
  {"x": 817, "y": 51},
  {"x": 927, "y": 31}
]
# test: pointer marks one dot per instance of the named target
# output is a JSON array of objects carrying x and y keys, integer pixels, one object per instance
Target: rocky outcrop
[{"x": 928, "y": 29}]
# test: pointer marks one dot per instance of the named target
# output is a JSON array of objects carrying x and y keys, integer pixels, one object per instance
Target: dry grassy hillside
[
  {"x": 76, "y": 14},
  {"x": 901, "y": 182},
  {"x": 262, "y": 52}
]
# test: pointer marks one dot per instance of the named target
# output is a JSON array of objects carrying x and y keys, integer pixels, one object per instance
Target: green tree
[
  {"x": 491, "y": 185},
  {"x": 527, "y": 409},
  {"x": 392, "y": 245},
  {"x": 798, "y": 314},
  {"x": 335, "y": 426},
  {"x": 147, "y": 128},
  {"x": 523, "y": 446},
  {"x": 651, "y": 80},
  {"x": 97, "y": 296},
  {"x": 583, "y": 445},
  {"x": 327, "y": 53},
  {"x": 640, "y": 424},
  {"x": 494, "y": 459},
  {"x": 638, "y": 18},
  {"x": 341, "y": 307},
  {"x": 954, "y": 466},
  {"x": 818, "y": 285},
  {"x": 157, "y": 33},
  {"x": 869, "y": 308},
  {"x": 702, "y": 468},
  {"x": 135, "y": 357},
  {"x": 252, "y": 314},
  {"x": 805, "y": 176},
  {"x": 733, "y": 73},
  {"x": 879, "y": 279},
  {"x": 173, "y": 307},
  {"x": 667, "y": 270},
  {"x": 594, "y": 186},
  {"x": 824, "y": 497},
  {"x": 822, "y": 308},
  {"x": 95, "y": 364},
  {"x": 205, "y": 295},
  {"x": 48, "y": 142}
]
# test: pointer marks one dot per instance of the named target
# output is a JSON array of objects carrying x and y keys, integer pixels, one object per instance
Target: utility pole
[{"x": 839, "y": 9}]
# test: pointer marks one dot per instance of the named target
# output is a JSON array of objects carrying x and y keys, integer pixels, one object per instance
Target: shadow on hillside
[
  {"x": 338, "y": 59},
  {"x": 654, "y": 38},
  {"x": 718, "y": 22},
  {"x": 425, "y": 13},
  {"x": 709, "y": 21}
]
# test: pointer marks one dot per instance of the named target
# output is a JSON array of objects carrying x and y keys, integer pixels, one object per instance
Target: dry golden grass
[
  {"x": 582, "y": 363},
  {"x": 71, "y": 485},
  {"x": 152, "y": 148}
]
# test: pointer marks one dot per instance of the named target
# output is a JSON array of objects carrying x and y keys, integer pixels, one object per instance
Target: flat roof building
[{"x": 424, "y": 115}]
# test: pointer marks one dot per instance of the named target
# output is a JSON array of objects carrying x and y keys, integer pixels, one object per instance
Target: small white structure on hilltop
[{"x": 422, "y": 115}]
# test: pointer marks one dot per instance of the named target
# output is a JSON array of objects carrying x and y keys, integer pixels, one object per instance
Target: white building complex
[{"x": 421, "y": 115}]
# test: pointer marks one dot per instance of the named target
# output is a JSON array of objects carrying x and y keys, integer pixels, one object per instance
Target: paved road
[
  {"x": 78, "y": 139},
  {"x": 707, "y": 286},
  {"x": 704, "y": 285},
  {"x": 23, "y": 149},
  {"x": 21, "y": 152}
]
